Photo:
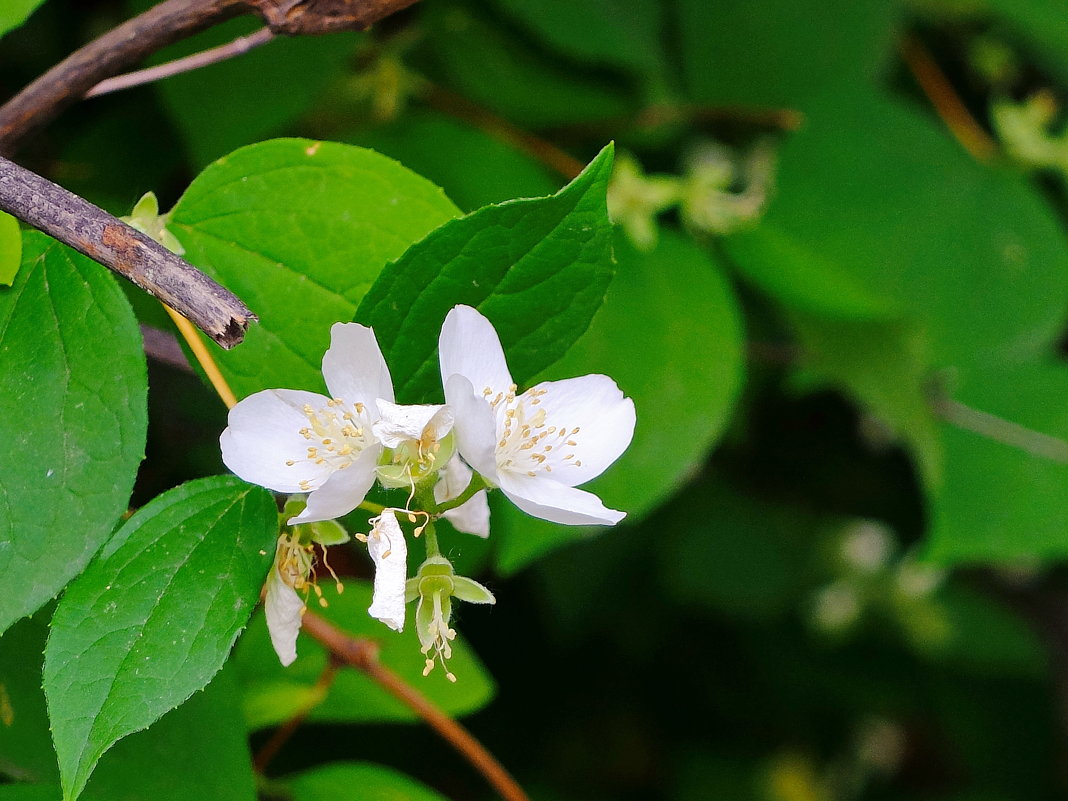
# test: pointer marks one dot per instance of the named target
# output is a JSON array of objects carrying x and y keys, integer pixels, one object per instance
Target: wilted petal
[
  {"x": 604, "y": 420},
  {"x": 471, "y": 517},
  {"x": 469, "y": 346},
  {"x": 390, "y": 555},
  {"x": 343, "y": 491},
  {"x": 263, "y": 434},
  {"x": 475, "y": 426},
  {"x": 283, "y": 607},
  {"x": 402, "y": 423},
  {"x": 558, "y": 503},
  {"x": 353, "y": 366}
]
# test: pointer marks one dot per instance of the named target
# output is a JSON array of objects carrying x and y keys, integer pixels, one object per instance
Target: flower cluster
[{"x": 535, "y": 446}]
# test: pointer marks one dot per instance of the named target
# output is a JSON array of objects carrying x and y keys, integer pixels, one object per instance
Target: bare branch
[
  {"x": 103, "y": 238},
  {"x": 237, "y": 47}
]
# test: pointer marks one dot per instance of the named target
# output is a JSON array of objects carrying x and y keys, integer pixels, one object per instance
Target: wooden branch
[
  {"x": 127, "y": 45},
  {"x": 106, "y": 239},
  {"x": 362, "y": 654}
]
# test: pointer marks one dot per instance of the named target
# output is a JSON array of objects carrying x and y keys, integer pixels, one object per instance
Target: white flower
[
  {"x": 539, "y": 445},
  {"x": 389, "y": 552},
  {"x": 471, "y": 517},
  {"x": 293, "y": 441},
  {"x": 415, "y": 435}
]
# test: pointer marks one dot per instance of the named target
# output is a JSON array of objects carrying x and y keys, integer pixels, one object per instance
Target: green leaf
[
  {"x": 613, "y": 33},
  {"x": 1044, "y": 25},
  {"x": 10, "y": 248},
  {"x": 299, "y": 230},
  {"x": 883, "y": 367},
  {"x": 72, "y": 417},
  {"x": 496, "y": 69},
  {"x": 14, "y": 12},
  {"x": 272, "y": 693},
  {"x": 358, "y": 781},
  {"x": 154, "y": 616},
  {"x": 471, "y": 166},
  {"x": 781, "y": 52},
  {"x": 238, "y": 101},
  {"x": 898, "y": 212},
  {"x": 538, "y": 269},
  {"x": 680, "y": 359},
  {"x": 1000, "y": 503}
]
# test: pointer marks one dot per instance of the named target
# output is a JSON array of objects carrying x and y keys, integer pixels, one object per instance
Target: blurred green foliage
[{"x": 847, "y": 490}]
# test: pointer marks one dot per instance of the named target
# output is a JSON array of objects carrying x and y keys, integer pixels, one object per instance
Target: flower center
[
  {"x": 526, "y": 441},
  {"x": 337, "y": 435}
]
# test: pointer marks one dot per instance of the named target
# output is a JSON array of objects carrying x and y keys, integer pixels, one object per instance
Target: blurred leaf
[
  {"x": 496, "y": 69},
  {"x": 1000, "y": 503},
  {"x": 358, "y": 781},
  {"x": 742, "y": 556},
  {"x": 25, "y": 745},
  {"x": 72, "y": 419},
  {"x": 14, "y": 12},
  {"x": 612, "y": 33},
  {"x": 878, "y": 195},
  {"x": 781, "y": 52},
  {"x": 30, "y": 792},
  {"x": 241, "y": 100},
  {"x": 883, "y": 366},
  {"x": 537, "y": 268},
  {"x": 10, "y": 248},
  {"x": 273, "y": 694},
  {"x": 681, "y": 361},
  {"x": 299, "y": 230},
  {"x": 472, "y": 167},
  {"x": 1044, "y": 24},
  {"x": 153, "y": 618}
]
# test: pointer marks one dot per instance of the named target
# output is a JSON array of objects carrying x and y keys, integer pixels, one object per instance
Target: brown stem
[
  {"x": 946, "y": 102},
  {"x": 103, "y": 238},
  {"x": 237, "y": 47},
  {"x": 362, "y": 654},
  {"x": 288, "y": 729}
]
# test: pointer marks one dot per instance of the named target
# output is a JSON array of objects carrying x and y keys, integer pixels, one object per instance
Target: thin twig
[
  {"x": 362, "y": 654},
  {"x": 288, "y": 729},
  {"x": 1001, "y": 430},
  {"x": 203, "y": 357},
  {"x": 103, "y": 238},
  {"x": 503, "y": 130},
  {"x": 237, "y": 47},
  {"x": 946, "y": 101},
  {"x": 164, "y": 348}
]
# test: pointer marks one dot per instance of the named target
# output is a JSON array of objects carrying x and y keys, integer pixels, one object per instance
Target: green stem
[
  {"x": 477, "y": 483},
  {"x": 374, "y": 508},
  {"x": 431, "y": 535}
]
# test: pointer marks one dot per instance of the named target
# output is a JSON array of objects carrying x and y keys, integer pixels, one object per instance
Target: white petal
[
  {"x": 353, "y": 366},
  {"x": 283, "y": 607},
  {"x": 558, "y": 503},
  {"x": 401, "y": 423},
  {"x": 390, "y": 555},
  {"x": 475, "y": 426},
  {"x": 471, "y": 517},
  {"x": 343, "y": 491},
  {"x": 469, "y": 346},
  {"x": 264, "y": 433},
  {"x": 605, "y": 419}
]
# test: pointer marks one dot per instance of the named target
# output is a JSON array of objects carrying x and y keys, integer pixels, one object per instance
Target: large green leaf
[
  {"x": 273, "y": 694},
  {"x": 256, "y": 95},
  {"x": 10, "y": 248},
  {"x": 300, "y": 230},
  {"x": 537, "y": 268},
  {"x": 72, "y": 419},
  {"x": 898, "y": 212},
  {"x": 154, "y": 616},
  {"x": 14, "y": 12},
  {"x": 1000, "y": 502},
  {"x": 681, "y": 360},
  {"x": 358, "y": 781}
]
